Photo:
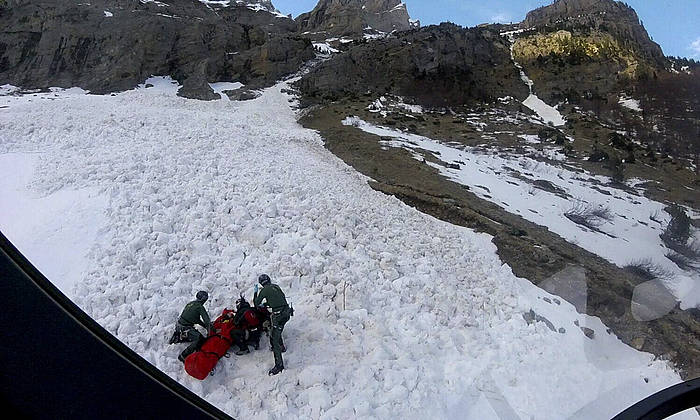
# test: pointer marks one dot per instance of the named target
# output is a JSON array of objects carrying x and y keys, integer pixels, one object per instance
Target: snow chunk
[
  {"x": 256, "y": 236},
  {"x": 108, "y": 14}
]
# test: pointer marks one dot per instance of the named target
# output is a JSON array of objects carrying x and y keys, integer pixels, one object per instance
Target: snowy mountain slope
[
  {"x": 544, "y": 193},
  {"x": 398, "y": 315},
  {"x": 38, "y": 223}
]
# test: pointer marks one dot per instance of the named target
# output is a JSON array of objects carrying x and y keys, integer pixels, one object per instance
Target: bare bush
[
  {"x": 655, "y": 217},
  {"x": 647, "y": 270},
  {"x": 684, "y": 262},
  {"x": 590, "y": 215},
  {"x": 677, "y": 232}
]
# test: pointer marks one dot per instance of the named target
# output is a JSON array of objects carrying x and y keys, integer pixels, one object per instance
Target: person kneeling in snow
[
  {"x": 281, "y": 313},
  {"x": 248, "y": 322},
  {"x": 185, "y": 332}
]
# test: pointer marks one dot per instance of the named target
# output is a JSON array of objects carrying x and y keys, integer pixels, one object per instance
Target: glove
[{"x": 256, "y": 288}]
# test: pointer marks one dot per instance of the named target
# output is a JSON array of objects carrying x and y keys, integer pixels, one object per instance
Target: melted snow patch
[
  {"x": 157, "y": 3},
  {"x": 546, "y": 112},
  {"x": 630, "y": 103},
  {"x": 543, "y": 193},
  {"x": 324, "y": 48}
]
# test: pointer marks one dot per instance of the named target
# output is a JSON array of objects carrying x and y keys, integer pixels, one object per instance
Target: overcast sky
[{"x": 674, "y": 24}]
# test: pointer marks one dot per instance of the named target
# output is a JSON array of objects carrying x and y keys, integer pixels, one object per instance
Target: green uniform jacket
[
  {"x": 194, "y": 313},
  {"x": 274, "y": 296}
]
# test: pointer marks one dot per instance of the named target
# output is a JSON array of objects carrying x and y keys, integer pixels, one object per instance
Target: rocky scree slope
[
  {"x": 111, "y": 45},
  {"x": 354, "y": 17},
  {"x": 436, "y": 65}
]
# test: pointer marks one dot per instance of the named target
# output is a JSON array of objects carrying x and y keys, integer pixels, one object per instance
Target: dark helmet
[
  {"x": 202, "y": 296},
  {"x": 264, "y": 280}
]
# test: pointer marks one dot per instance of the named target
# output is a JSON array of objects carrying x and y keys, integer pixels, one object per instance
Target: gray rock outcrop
[
  {"x": 437, "y": 65},
  {"x": 196, "y": 87},
  {"x": 353, "y": 17},
  {"x": 111, "y": 45}
]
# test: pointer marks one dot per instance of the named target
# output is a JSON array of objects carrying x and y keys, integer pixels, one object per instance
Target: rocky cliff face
[
  {"x": 609, "y": 16},
  {"x": 575, "y": 49},
  {"x": 108, "y": 45},
  {"x": 352, "y": 17},
  {"x": 591, "y": 53},
  {"x": 437, "y": 65}
]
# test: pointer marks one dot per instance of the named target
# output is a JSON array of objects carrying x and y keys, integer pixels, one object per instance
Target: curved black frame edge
[
  {"x": 665, "y": 403},
  {"x": 57, "y": 362}
]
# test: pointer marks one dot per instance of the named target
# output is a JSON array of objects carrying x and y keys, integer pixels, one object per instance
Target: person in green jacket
[
  {"x": 274, "y": 299},
  {"x": 185, "y": 332}
]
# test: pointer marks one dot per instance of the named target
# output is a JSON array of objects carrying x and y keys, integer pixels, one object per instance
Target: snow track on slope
[{"x": 398, "y": 315}]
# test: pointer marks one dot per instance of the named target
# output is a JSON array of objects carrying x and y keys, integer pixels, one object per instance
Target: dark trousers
[
  {"x": 278, "y": 320},
  {"x": 190, "y": 335},
  {"x": 244, "y": 338}
]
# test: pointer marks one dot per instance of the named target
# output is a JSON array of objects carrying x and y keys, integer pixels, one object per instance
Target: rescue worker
[
  {"x": 185, "y": 331},
  {"x": 277, "y": 302},
  {"x": 248, "y": 324}
]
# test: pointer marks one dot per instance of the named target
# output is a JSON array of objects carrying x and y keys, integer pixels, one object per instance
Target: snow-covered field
[{"x": 398, "y": 315}]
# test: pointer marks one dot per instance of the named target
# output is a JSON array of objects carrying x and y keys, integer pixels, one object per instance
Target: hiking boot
[{"x": 275, "y": 370}]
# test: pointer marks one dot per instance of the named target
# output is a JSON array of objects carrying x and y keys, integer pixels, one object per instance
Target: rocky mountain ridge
[{"x": 354, "y": 17}]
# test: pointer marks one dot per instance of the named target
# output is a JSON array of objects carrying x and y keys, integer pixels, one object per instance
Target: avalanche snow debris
[
  {"x": 424, "y": 310},
  {"x": 52, "y": 221}
]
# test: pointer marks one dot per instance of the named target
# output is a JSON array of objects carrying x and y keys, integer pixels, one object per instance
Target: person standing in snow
[
  {"x": 277, "y": 302},
  {"x": 185, "y": 332}
]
